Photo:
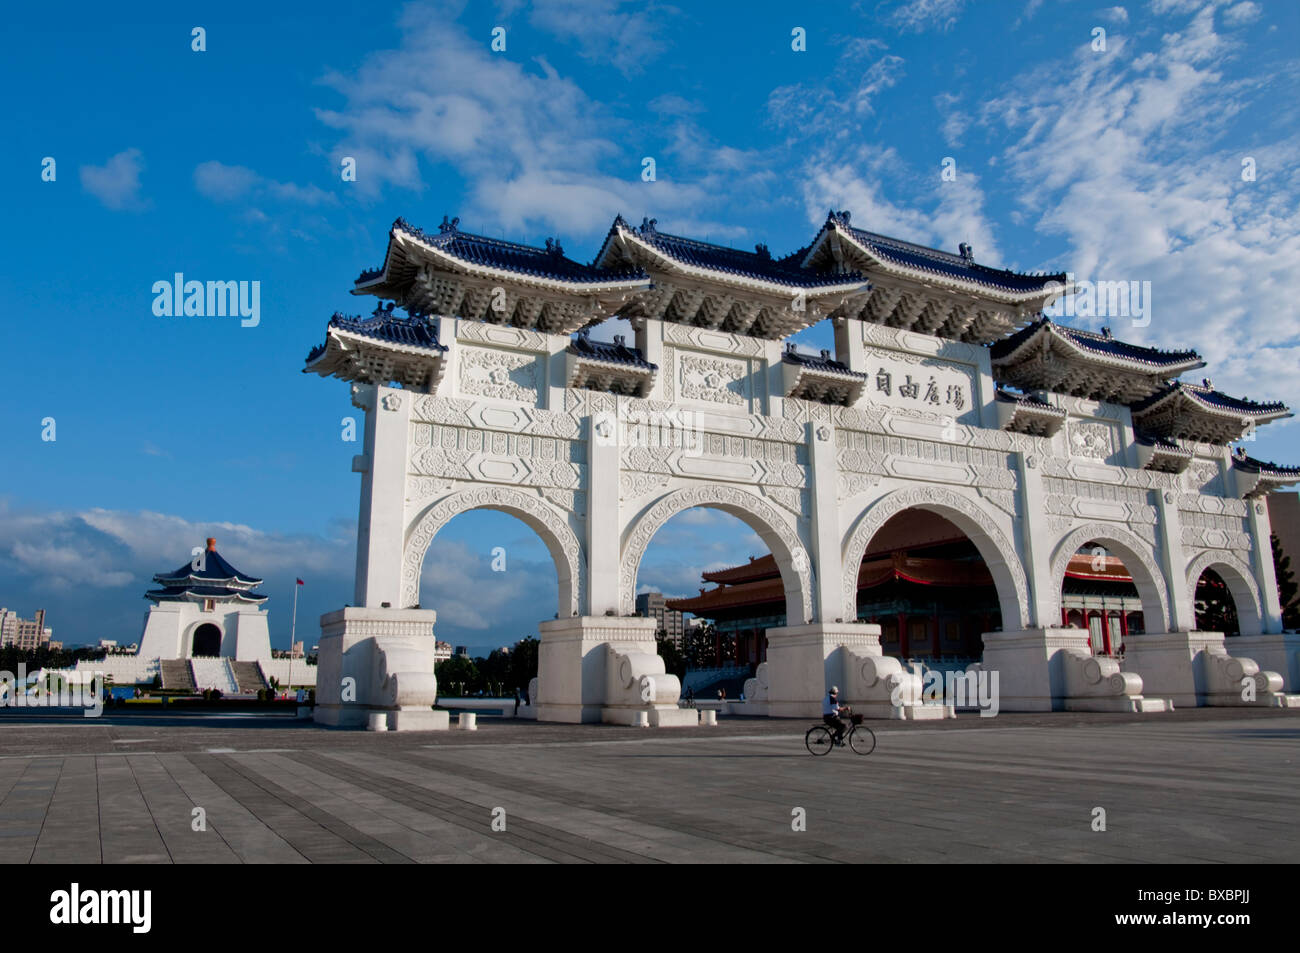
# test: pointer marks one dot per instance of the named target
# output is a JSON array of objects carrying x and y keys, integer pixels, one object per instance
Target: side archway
[
  {"x": 541, "y": 517},
  {"x": 993, "y": 544},
  {"x": 1240, "y": 581},
  {"x": 759, "y": 515},
  {"x": 1137, "y": 558}
]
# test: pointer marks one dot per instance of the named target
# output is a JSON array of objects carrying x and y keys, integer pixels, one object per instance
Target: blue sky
[{"x": 1115, "y": 164}]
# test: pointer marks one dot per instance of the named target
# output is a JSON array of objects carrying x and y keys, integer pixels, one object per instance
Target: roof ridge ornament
[
  {"x": 553, "y": 247},
  {"x": 967, "y": 253},
  {"x": 648, "y": 226},
  {"x": 448, "y": 226}
]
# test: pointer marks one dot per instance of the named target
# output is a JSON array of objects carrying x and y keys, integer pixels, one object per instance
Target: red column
[
  {"x": 934, "y": 639},
  {"x": 902, "y": 634}
]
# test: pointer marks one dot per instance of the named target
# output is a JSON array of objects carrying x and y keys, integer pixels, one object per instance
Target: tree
[
  {"x": 674, "y": 660},
  {"x": 456, "y": 676},
  {"x": 1287, "y": 587},
  {"x": 523, "y": 664}
]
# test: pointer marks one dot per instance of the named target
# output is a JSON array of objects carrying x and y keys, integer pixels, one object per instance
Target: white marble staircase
[{"x": 214, "y": 673}]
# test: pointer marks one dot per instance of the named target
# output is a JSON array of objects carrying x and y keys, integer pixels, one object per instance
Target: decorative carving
[
  {"x": 1090, "y": 439},
  {"x": 765, "y": 520},
  {"x": 1003, "y": 563},
  {"x": 1133, "y": 549},
  {"x": 714, "y": 379},
  {"x": 634, "y": 485},
  {"x": 541, "y": 517},
  {"x": 855, "y": 484},
  {"x": 392, "y": 402},
  {"x": 501, "y": 374}
]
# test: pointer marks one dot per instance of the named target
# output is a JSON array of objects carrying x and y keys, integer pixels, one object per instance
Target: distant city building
[
  {"x": 25, "y": 634},
  {"x": 654, "y": 605},
  {"x": 441, "y": 651},
  {"x": 109, "y": 644},
  {"x": 462, "y": 651}
]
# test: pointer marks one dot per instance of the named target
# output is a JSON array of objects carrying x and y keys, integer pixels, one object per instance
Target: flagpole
[{"x": 293, "y": 631}]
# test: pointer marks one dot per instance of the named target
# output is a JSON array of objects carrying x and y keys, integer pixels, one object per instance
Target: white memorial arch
[{"x": 947, "y": 392}]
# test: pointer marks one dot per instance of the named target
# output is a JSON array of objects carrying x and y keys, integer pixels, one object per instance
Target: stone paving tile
[
  {"x": 238, "y": 828},
  {"x": 1209, "y": 786},
  {"x": 128, "y": 834},
  {"x": 71, "y": 833}
]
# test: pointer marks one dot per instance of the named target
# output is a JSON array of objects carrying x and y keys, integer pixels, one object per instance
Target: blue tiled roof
[
  {"x": 548, "y": 262},
  {"x": 1207, "y": 396},
  {"x": 214, "y": 567},
  {"x": 1024, "y": 400},
  {"x": 1250, "y": 465},
  {"x": 384, "y": 325},
  {"x": 824, "y": 362},
  {"x": 615, "y": 353},
  {"x": 1102, "y": 344},
  {"x": 932, "y": 259},
  {"x": 174, "y": 593},
  {"x": 758, "y": 264}
]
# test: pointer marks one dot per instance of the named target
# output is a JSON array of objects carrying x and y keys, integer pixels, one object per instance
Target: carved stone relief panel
[{"x": 500, "y": 374}]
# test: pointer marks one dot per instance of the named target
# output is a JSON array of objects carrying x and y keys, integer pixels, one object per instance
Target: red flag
[{"x": 301, "y": 583}]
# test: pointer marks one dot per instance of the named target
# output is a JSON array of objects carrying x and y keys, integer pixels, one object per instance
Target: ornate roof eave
[
  {"x": 344, "y": 352},
  {"x": 1027, "y": 415},
  {"x": 251, "y": 598},
  {"x": 192, "y": 579},
  {"x": 777, "y": 290},
  {"x": 1191, "y": 412},
  {"x": 419, "y": 253},
  {"x": 1163, "y": 456},
  {"x": 1037, "y": 298},
  {"x": 582, "y": 371},
  {"x": 1257, "y": 477},
  {"x": 1048, "y": 336}
]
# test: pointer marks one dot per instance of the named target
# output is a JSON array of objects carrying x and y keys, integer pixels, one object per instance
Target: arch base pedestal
[
  {"x": 1194, "y": 668},
  {"x": 804, "y": 661},
  {"x": 1048, "y": 670},
  {"x": 580, "y": 675},
  {"x": 378, "y": 661},
  {"x": 1278, "y": 652}
]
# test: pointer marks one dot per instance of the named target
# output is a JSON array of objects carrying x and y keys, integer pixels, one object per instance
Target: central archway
[
  {"x": 759, "y": 515},
  {"x": 206, "y": 642},
  {"x": 993, "y": 544},
  {"x": 547, "y": 522}
]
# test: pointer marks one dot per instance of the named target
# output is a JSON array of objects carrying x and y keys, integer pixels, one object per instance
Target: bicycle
[{"x": 820, "y": 739}]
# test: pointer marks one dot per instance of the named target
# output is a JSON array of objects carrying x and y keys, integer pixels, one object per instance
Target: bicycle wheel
[
  {"x": 862, "y": 739},
  {"x": 818, "y": 739}
]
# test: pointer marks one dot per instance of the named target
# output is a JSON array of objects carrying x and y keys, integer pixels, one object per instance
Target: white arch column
[
  {"x": 376, "y": 656},
  {"x": 1272, "y": 646}
]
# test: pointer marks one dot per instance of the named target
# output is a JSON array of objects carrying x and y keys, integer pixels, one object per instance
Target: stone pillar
[
  {"x": 378, "y": 661},
  {"x": 823, "y": 493},
  {"x": 604, "y": 525},
  {"x": 849, "y": 345},
  {"x": 1261, "y": 552},
  {"x": 572, "y": 657},
  {"x": 1036, "y": 544},
  {"x": 381, "y": 523},
  {"x": 1169, "y": 528},
  {"x": 804, "y": 661}
]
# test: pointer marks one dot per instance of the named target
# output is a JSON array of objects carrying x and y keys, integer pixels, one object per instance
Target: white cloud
[
  {"x": 917, "y": 16},
  {"x": 1130, "y": 157},
  {"x": 116, "y": 183},
  {"x": 616, "y": 33},
  {"x": 1245, "y": 12},
  {"x": 1115, "y": 14},
  {"x": 230, "y": 183}
]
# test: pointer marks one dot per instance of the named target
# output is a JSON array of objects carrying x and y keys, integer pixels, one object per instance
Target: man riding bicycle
[{"x": 831, "y": 711}]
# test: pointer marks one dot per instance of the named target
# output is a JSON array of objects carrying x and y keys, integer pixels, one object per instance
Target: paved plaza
[{"x": 1191, "y": 786}]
